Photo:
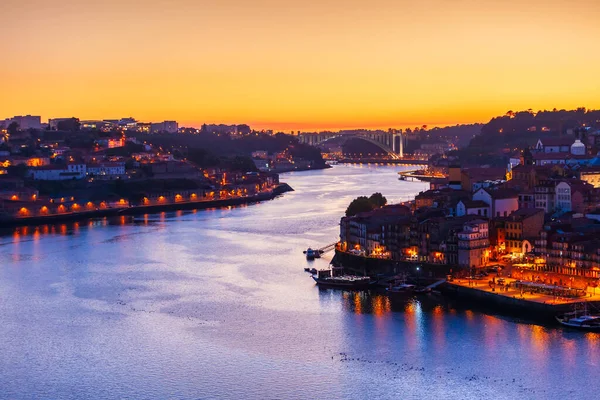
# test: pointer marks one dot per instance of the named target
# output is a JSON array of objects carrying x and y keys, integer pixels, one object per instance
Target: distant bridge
[{"x": 389, "y": 142}]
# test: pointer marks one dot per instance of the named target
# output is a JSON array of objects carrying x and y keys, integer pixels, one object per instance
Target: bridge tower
[{"x": 397, "y": 143}]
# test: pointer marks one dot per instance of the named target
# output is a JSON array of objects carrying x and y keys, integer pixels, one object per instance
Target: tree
[
  {"x": 241, "y": 163},
  {"x": 359, "y": 205},
  {"x": 70, "y": 124},
  {"x": 13, "y": 128},
  {"x": 18, "y": 171},
  {"x": 378, "y": 200}
]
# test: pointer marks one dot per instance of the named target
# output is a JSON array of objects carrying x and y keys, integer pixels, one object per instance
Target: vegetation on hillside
[{"x": 365, "y": 204}]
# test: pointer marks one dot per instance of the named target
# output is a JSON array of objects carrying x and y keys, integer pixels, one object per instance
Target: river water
[{"x": 215, "y": 304}]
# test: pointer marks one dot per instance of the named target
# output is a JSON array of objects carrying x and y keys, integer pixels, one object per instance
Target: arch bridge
[{"x": 389, "y": 142}]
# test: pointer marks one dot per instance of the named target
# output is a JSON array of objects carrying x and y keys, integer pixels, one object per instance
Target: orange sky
[{"x": 288, "y": 64}]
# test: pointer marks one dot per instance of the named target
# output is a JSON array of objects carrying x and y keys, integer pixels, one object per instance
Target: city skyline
[{"x": 299, "y": 66}]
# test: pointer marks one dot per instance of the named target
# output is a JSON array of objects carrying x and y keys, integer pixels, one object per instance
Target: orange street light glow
[{"x": 299, "y": 65}]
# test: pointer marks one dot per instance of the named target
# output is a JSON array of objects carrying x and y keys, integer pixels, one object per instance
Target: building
[
  {"x": 590, "y": 174},
  {"x": 545, "y": 195},
  {"x": 473, "y": 179},
  {"x": 164, "y": 127},
  {"x": 106, "y": 169},
  {"x": 574, "y": 195},
  {"x": 561, "y": 151},
  {"x": 54, "y": 123},
  {"x": 372, "y": 232},
  {"x": 527, "y": 198},
  {"x": 472, "y": 207},
  {"x": 25, "y": 122},
  {"x": 473, "y": 244},
  {"x": 441, "y": 198},
  {"x": 531, "y": 175},
  {"x": 554, "y": 145},
  {"x": 523, "y": 226},
  {"x": 58, "y": 172},
  {"x": 501, "y": 202}
]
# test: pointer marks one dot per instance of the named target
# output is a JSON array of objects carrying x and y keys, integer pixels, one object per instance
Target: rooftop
[
  {"x": 502, "y": 193},
  {"x": 474, "y": 203},
  {"x": 523, "y": 213},
  {"x": 557, "y": 141}
]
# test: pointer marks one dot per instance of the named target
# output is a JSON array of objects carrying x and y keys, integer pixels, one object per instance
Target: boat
[
  {"x": 403, "y": 288},
  {"x": 312, "y": 254},
  {"x": 580, "y": 320},
  {"x": 335, "y": 278}
]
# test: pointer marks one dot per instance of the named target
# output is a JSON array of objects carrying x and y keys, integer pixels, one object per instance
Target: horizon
[
  {"x": 299, "y": 66},
  {"x": 306, "y": 128}
]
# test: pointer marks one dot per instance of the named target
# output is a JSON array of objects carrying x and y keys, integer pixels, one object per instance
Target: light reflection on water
[{"x": 215, "y": 304}]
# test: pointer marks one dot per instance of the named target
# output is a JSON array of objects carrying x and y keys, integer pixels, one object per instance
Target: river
[{"x": 215, "y": 304}]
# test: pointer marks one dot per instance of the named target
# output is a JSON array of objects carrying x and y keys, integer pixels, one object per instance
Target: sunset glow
[{"x": 292, "y": 65}]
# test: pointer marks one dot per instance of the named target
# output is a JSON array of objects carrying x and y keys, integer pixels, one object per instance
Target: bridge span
[
  {"x": 383, "y": 161},
  {"x": 390, "y": 142}
]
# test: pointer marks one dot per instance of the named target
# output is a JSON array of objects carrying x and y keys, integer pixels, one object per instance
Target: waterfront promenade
[
  {"x": 124, "y": 209},
  {"x": 510, "y": 289},
  {"x": 525, "y": 300}
]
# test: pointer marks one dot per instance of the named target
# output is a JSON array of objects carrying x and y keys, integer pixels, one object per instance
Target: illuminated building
[
  {"x": 165, "y": 126},
  {"x": 473, "y": 244}
]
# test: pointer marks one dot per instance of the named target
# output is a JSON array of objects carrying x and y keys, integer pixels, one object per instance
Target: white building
[
  {"x": 554, "y": 145},
  {"x": 472, "y": 207},
  {"x": 578, "y": 148},
  {"x": 502, "y": 202},
  {"x": 58, "y": 173},
  {"x": 112, "y": 169}
]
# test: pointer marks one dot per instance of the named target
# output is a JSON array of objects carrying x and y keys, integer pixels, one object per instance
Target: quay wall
[
  {"x": 137, "y": 210},
  {"x": 507, "y": 303}
]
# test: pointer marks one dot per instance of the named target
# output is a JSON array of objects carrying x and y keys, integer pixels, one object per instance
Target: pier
[
  {"x": 327, "y": 248},
  {"x": 415, "y": 175}
]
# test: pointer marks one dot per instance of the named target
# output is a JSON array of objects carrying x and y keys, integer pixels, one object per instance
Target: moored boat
[
  {"x": 403, "y": 288},
  {"x": 580, "y": 320},
  {"x": 334, "y": 278},
  {"x": 312, "y": 254}
]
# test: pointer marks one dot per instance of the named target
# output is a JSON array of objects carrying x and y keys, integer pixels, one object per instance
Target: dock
[
  {"x": 414, "y": 175},
  {"x": 327, "y": 248},
  {"x": 515, "y": 299}
]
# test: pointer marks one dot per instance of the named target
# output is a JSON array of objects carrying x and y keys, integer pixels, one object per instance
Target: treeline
[
  {"x": 209, "y": 149},
  {"x": 521, "y": 129}
]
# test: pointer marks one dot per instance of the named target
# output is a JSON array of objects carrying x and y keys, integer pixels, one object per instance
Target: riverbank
[
  {"x": 371, "y": 266},
  {"x": 503, "y": 299},
  {"x": 297, "y": 169},
  {"x": 137, "y": 210},
  {"x": 514, "y": 300}
]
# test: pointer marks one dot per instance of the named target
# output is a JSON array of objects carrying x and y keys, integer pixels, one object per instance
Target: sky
[{"x": 298, "y": 65}]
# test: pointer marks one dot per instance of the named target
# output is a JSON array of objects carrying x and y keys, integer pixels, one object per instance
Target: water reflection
[{"x": 219, "y": 300}]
